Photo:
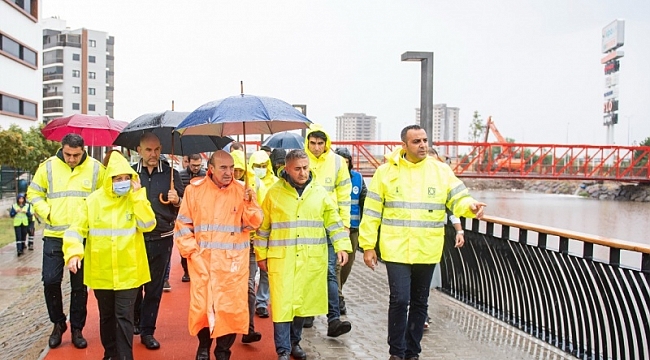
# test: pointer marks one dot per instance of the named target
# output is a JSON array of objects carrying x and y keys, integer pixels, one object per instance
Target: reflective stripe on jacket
[
  {"x": 58, "y": 192},
  {"x": 331, "y": 173},
  {"x": 408, "y": 200},
  {"x": 293, "y": 240},
  {"x": 212, "y": 233},
  {"x": 115, "y": 257}
]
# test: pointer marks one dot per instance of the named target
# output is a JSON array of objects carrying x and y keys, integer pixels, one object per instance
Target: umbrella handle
[{"x": 162, "y": 201}]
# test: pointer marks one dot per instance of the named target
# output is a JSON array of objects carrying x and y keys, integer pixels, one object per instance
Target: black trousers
[
  {"x": 116, "y": 322},
  {"x": 224, "y": 343},
  {"x": 146, "y": 306},
  {"x": 52, "y": 277},
  {"x": 21, "y": 235}
]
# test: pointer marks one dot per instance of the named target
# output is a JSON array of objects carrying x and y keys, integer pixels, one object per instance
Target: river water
[{"x": 622, "y": 220}]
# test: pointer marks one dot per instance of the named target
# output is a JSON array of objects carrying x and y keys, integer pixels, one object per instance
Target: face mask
[
  {"x": 122, "y": 188},
  {"x": 260, "y": 172}
]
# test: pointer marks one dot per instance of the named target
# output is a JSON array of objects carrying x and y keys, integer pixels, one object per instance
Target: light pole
[
  {"x": 303, "y": 109},
  {"x": 426, "y": 88}
]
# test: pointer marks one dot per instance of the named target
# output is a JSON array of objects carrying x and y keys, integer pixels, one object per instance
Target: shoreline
[{"x": 601, "y": 190}]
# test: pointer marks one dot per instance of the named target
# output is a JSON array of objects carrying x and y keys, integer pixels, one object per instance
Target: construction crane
[{"x": 505, "y": 160}]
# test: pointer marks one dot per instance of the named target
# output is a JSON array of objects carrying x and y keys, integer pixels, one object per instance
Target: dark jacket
[
  {"x": 157, "y": 183},
  {"x": 187, "y": 175}
]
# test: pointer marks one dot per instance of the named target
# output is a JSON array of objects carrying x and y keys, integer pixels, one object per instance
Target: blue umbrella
[
  {"x": 285, "y": 140},
  {"x": 242, "y": 114}
]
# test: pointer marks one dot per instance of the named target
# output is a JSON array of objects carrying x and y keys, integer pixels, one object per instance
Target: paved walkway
[{"x": 457, "y": 331}]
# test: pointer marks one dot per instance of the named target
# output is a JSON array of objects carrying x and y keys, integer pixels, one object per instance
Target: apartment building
[
  {"x": 445, "y": 124},
  {"x": 78, "y": 71},
  {"x": 20, "y": 64}
]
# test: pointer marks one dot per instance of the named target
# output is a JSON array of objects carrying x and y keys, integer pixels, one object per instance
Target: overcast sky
[{"x": 533, "y": 65}]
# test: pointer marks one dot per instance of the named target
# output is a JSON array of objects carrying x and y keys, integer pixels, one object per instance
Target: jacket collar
[{"x": 141, "y": 166}]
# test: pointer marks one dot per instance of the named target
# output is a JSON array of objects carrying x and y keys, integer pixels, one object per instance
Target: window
[
  {"x": 76, "y": 57},
  {"x": 76, "y": 90},
  {"x": 91, "y": 107},
  {"x": 53, "y": 73},
  {"x": 17, "y": 106},
  {"x": 52, "y": 57},
  {"x": 76, "y": 73},
  {"x": 75, "y": 106},
  {"x": 92, "y": 75},
  {"x": 91, "y": 59},
  {"x": 30, "y": 7},
  {"x": 91, "y": 91},
  {"x": 92, "y": 43},
  {"x": 16, "y": 50}
]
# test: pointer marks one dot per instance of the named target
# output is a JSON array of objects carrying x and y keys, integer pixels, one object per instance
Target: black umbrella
[{"x": 163, "y": 125}]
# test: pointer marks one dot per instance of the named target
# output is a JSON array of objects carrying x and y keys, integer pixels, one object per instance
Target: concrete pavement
[{"x": 456, "y": 332}]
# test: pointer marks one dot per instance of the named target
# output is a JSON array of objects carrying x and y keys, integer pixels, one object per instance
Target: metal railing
[{"x": 587, "y": 295}]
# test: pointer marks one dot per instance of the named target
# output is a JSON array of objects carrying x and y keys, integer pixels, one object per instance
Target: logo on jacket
[
  {"x": 355, "y": 189},
  {"x": 431, "y": 191},
  {"x": 86, "y": 183},
  {"x": 328, "y": 180}
]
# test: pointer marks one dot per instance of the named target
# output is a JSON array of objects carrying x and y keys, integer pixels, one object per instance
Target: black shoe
[
  {"x": 284, "y": 356},
  {"x": 57, "y": 333},
  {"x": 149, "y": 342},
  {"x": 342, "y": 309},
  {"x": 186, "y": 278},
  {"x": 203, "y": 354},
  {"x": 78, "y": 339},
  {"x": 31, "y": 247},
  {"x": 297, "y": 352},
  {"x": 309, "y": 322},
  {"x": 222, "y": 355},
  {"x": 337, "y": 328},
  {"x": 166, "y": 286},
  {"x": 251, "y": 337},
  {"x": 136, "y": 326},
  {"x": 262, "y": 312},
  {"x": 412, "y": 358},
  {"x": 395, "y": 357}
]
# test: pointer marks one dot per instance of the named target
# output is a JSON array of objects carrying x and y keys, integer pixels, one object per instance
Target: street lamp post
[
  {"x": 303, "y": 109},
  {"x": 426, "y": 88}
]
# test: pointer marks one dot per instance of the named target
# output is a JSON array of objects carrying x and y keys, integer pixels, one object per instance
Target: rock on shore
[{"x": 606, "y": 190}]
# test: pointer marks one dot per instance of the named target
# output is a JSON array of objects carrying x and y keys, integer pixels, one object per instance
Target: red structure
[{"x": 522, "y": 161}]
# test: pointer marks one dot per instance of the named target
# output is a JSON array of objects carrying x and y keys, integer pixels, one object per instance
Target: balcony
[
  {"x": 53, "y": 77},
  {"x": 61, "y": 43},
  {"x": 53, "y": 110},
  {"x": 52, "y": 93}
]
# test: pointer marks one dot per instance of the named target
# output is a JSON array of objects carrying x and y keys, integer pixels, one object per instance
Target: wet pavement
[{"x": 456, "y": 332}]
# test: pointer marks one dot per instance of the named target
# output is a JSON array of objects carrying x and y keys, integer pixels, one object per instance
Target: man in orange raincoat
[{"x": 212, "y": 232}]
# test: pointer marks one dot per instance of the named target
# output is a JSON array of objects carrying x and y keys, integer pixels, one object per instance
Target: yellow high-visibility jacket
[
  {"x": 58, "y": 192},
  {"x": 331, "y": 173},
  {"x": 115, "y": 257},
  {"x": 408, "y": 200},
  {"x": 293, "y": 240}
]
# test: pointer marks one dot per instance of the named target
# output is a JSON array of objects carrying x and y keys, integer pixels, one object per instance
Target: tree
[
  {"x": 476, "y": 128},
  {"x": 25, "y": 150}
]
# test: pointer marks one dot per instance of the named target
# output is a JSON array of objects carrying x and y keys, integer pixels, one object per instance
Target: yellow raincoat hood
[
  {"x": 117, "y": 165},
  {"x": 238, "y": 158},
  {"x": 314, "y": 128}
]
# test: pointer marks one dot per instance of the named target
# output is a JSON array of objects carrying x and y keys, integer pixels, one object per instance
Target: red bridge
[{"x": 521, "y": 161}]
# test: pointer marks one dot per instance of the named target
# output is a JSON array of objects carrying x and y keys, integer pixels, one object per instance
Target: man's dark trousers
[
  {"x": 53, "y": 276},
  {"x": 407, "y": 310},
  {"x": 159, "y": 251}
]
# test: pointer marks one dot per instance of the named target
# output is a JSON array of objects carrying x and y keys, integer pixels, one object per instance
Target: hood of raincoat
[
  {"x": 21, "y": 195},
  {"x": 117, "y": 165},
  {"x": 328, "y": 142},
  {"x": 260, "y": 157},
  {"x": 238, "y": 158}
]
